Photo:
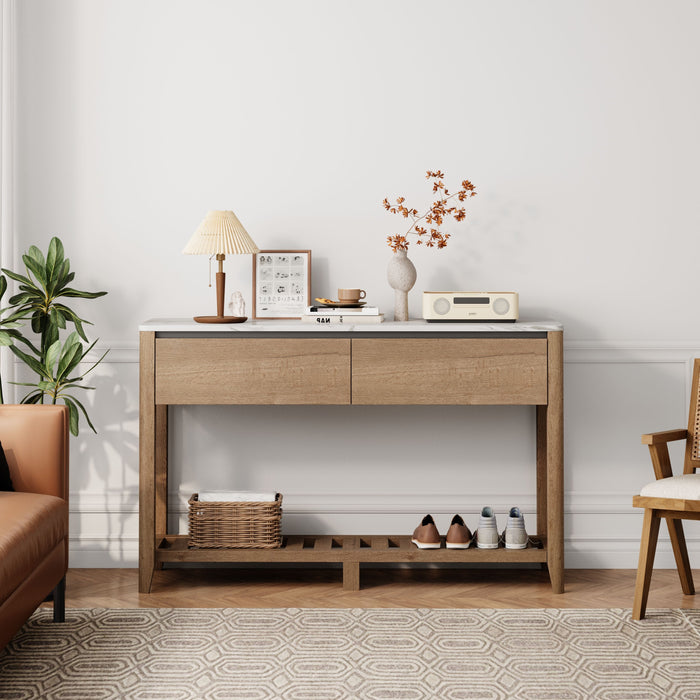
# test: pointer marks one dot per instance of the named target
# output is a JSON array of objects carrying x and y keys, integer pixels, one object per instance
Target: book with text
[
  {"x": 342, "y": 311},
  {"x": 341, "y": 319}
]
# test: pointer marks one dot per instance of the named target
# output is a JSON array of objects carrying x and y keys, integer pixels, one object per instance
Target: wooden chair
[{"x": 671, "y": 497}]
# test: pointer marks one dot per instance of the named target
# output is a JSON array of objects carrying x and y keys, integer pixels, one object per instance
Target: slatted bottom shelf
[{"x": 350, "y": 550}]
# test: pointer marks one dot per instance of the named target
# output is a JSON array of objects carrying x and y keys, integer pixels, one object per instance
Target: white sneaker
[
  {"x": 514, "y": 535},
  {"x": 487, "y": 532}
]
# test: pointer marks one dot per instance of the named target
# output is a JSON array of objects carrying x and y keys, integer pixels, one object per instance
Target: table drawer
[
  {"x": 252, "y": 371},
  {"x": 449, "y": 371}
]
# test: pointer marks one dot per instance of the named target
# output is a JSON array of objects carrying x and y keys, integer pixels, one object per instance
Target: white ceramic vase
[{"x": 401, "y": 275}]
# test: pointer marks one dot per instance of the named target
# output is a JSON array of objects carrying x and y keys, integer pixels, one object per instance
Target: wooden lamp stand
[{"x": 220, "y": 287}]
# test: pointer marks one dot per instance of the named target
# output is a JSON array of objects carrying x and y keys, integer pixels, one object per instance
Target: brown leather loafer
[
  {"x": 458, "y": 536},
  {"x": 426, "y": 535}
]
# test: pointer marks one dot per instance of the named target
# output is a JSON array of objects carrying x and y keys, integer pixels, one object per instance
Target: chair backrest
[{"x": 692, "y": 449}]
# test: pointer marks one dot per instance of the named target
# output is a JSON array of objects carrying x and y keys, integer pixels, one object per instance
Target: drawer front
[
  {"x": 252, "y": 371},
  {"x": 449, "y": 371}
]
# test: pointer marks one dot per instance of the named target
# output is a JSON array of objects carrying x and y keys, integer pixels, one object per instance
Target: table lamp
[{"x": 219, "y": 233}]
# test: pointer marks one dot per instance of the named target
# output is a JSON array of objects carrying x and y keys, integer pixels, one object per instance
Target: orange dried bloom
[{"x": 434, "y": 215}]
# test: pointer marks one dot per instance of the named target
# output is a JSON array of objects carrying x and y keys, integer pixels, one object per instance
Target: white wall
[{"x": 577, "y": 121}]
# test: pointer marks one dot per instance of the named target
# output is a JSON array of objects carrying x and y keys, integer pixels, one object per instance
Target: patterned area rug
[{"x": 314, "y": 654}]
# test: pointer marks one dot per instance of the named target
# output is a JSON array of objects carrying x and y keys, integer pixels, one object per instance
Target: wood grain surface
[
  {"x": 252, "y": 371},
  {"x": 449, "y": 371}
]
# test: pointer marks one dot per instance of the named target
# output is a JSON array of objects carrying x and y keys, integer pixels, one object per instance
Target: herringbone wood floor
[{"x": 381, "y": 588}]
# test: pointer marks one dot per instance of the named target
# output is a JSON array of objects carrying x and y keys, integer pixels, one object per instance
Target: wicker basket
[{"x": 222, "y": 525}]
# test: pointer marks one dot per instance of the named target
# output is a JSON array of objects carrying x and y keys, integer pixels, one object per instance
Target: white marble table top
[{"x": 188, "y": 325}]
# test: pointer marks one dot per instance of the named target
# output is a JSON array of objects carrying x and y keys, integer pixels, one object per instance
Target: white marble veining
[{"x": 186, "y": 325}]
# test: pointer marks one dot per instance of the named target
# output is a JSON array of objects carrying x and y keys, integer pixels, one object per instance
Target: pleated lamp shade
[{"x": 219, "y": 233}]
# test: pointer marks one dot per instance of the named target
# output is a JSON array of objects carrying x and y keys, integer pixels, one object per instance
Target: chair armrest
[{"x": 664, "y": 436}]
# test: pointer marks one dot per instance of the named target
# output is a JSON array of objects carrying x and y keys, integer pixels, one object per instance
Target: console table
[{"x": 290, "y": 362}]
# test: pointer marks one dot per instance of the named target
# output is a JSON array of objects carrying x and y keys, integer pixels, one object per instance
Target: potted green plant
[{"x": 40, "y": 300}]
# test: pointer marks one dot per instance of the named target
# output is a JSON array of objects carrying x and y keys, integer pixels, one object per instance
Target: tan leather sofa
[{"x": 33, "y": 518}]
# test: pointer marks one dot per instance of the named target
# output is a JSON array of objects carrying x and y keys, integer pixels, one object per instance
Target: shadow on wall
[
  {"x": 104, "y": 472},
  {"x": 349, "y": 449}
]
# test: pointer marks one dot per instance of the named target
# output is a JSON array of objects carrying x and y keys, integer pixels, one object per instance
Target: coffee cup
[{"x": 351, "y": 296}]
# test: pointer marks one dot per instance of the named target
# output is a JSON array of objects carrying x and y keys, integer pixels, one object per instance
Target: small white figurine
[{"x": 237, "y": 304}]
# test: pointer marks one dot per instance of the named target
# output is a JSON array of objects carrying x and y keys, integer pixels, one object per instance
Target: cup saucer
[{"x": 344, "y": 304}]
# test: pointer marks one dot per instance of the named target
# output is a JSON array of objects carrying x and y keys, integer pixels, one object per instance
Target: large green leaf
[
  {"x": 31, "y": 362},
  {"x": 39, "y": 271},
  {"x": 73, "y": 415},
  {"x": 52, "y": 354},
  {"x": 70, "y": 359},
  {"x": 68, "y": 312},
  {"x": 3, "y": 285},
  {"x": 96, "y": 363},
  {"x": 70, "y": 315},
  {"x": 57, "y": 317},
  {"x": 82, "y": 408},
  {"x": 17, "y": 278},
  {"x": 68, "y": 292},
  {"x": 24, "y": 300},
  {"x": 69, "y": 384},
  {"x": 13, "y": 334},
  {"x": 64, "y": 274},
  {"x": 38, "y": 322},
  {"x": 71, "y": 340},
  {"x": 54, "y": 261},
  {"x": 78, "y": 322},
  {"x": 16, "y": 315},
  {"x": 35, "y": 254},
  {"x": 49, "y": 337}
]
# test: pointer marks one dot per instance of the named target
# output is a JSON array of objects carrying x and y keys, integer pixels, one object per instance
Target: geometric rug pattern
[{"x": 373, "y": 654}]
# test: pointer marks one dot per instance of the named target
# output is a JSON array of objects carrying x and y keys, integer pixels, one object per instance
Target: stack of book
[{"x": 323, "y": 315}]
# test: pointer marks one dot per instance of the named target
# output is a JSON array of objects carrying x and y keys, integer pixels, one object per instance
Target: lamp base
[{"x": 220, "y": 319}]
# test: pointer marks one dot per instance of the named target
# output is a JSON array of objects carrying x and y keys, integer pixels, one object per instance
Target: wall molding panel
[
  {"x": 575, "y": 352},
  {"x": 602, "y": 527}
]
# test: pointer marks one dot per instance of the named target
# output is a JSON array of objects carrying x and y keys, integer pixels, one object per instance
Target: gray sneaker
[
  {"x": 514, "y": 535},
  {"x": 487, "y": 532}
]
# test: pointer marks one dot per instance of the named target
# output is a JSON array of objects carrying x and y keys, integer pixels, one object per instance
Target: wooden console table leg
[
  {"x": 161, "y": 473},
  {"x": 541, "y": 420},
  {"x": 351, "y": 575},
  {"x": 541, "y": 494},
  {"x": 555, "y": 461},
  {"x": 147, "y": 456}
]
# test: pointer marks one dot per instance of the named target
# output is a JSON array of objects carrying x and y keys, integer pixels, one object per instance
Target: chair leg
[
  {"x": 680, "y": 552},
  {"x": 647, "y": 551},
  {"x": 59, "y": 601}
]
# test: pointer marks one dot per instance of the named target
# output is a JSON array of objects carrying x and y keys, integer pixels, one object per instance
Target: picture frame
[{"x": 281, "y": 283}]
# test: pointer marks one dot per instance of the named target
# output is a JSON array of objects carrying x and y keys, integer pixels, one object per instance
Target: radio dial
[
  {"x": 501, "y": 306},
  {"x": 441, "y": 305}
]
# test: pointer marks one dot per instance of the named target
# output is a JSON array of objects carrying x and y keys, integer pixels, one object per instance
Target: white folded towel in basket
[{"x": 236, "y": 496}]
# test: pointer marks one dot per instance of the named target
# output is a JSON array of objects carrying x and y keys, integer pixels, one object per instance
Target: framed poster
[{"x": 281, "y": 283}]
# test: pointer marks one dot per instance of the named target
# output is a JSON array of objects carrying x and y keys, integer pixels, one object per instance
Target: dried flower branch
[{"x": 434, "y": 216}]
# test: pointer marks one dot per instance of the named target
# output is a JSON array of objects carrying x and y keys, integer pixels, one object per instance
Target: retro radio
[{"x": 470, "y": 306}]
